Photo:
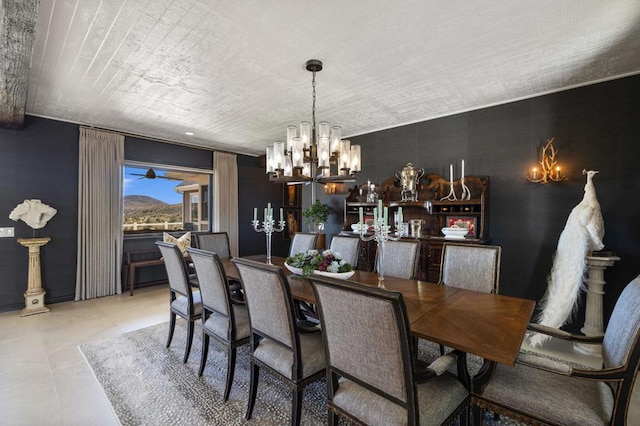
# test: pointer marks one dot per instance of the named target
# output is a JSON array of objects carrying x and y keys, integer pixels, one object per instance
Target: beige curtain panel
[
  {"x": 99, "y": 214},
  {"x": 225, "y": 202}
]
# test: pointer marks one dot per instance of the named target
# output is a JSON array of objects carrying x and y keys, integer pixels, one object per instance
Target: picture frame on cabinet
[{"x": 469, "y": 222}]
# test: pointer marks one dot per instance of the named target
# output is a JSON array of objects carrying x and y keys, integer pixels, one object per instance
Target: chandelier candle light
[
  {"x": 313, "y": 154},
  {"x": 268, "y": 225},
  {"x": 381, "y": 232}
]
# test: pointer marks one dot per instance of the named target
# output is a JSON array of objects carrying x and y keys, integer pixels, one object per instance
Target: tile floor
[{"x": 44, "y": 379}]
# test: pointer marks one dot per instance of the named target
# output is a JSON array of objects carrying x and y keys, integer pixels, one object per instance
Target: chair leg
[
  {"x": 477, "y": 415},
  {"x": 205, "y": 352},
  {"x": 231, "y": 366},
  {"x": 332, "y": 417},
  {"x": 296, "y": 409},
  {"x": 172, "y": 327},
  {"x": 253, "y": 389},
  {"x": 189, "y": 341}
]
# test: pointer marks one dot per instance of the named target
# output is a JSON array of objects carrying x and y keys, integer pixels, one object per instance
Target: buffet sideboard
[{"x": 433, "y": 212}]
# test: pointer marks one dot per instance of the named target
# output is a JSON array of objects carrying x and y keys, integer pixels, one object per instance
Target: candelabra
[
  {"x": 268, "y": 226},
  {"x": 381, "y": 233}
]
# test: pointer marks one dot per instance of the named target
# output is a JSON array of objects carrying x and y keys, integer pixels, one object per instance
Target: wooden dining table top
[{"x": 488, "y": 325}]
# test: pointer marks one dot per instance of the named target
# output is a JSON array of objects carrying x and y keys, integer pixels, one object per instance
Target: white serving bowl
[
  {"x": 356, "y": 227},
  {"x": 455, "y": 233}
]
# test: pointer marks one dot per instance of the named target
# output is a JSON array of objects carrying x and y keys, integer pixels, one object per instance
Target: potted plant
[{"x": 315, "y": 216}]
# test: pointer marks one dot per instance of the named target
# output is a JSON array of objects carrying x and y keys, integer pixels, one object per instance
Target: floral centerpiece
[{"x": 307, "y": 263}]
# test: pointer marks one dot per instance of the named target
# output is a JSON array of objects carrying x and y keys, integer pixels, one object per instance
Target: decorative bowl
[
  {"x": 356, "y": 227},
  {"x": 455, "y": 233},
  {"x": 340, "y": 275},
  {"x": 293, "y": 269}
]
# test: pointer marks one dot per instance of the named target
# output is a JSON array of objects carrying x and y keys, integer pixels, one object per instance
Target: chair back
[
  {"x": 348, "y": 247},
  {"x": 302, "y": 242},
  {"x": 176, "y": 268},
  {"x": 212, "y": 281},
  {"x": 471, "y": 266},
  {"x": 373, "y": 354},
  {"x": 217, "y": 242},
  {"x": 269, "y": 302},
  {"x": 400, "y": 259},
  {"x": 620, "y": 344}
]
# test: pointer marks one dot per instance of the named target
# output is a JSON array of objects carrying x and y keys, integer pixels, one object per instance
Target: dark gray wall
[
  {"x": 595, "y": 127},
  {"x": 39, "y": 162}
]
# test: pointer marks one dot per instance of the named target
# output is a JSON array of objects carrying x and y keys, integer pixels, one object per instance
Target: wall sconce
[{"x": 548, "y": 169}]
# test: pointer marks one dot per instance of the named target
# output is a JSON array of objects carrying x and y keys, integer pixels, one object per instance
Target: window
[{"x": 159, "y": 198}]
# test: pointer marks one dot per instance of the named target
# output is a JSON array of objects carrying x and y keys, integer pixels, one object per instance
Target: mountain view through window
[{"x": 157, "y": 199}]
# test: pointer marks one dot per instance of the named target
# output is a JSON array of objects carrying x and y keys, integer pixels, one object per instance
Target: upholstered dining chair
[
  {"x": 471, "y": 266},
  {"x": 371, "y": 375},
  {"x": 226, "y": 322},
  {"x": 302, "y": 242},
  {"x": 277, "y": 345},
  {"x": 541, "y": 390},
  {"x": 348, "y": 247},
  {"x": 400, "y": 259},
  {"x": 184, "y": 301},
  {"x": 218, "y": 242}
]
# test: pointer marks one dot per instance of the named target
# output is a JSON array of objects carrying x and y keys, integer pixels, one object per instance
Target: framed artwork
[
  {"x": 469, "y": 222},
  {"x": 291, "y": 196},
  {"x": 293, "y": 223}
]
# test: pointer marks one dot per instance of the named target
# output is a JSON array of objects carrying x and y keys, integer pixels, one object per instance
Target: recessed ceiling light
[{"x": 188, "y": 133}]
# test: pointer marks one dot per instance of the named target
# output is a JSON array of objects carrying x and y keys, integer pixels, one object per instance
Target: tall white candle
[
  {"x": 266, "y": 214},
  {"x": 385, "y": 218},
  {"x": 375, "y": 214},
  {"x": 462, "y": 170},
  {"x": 380, "y": 213},
  {"x": 451, "y": 172},
  {"x": 400, "y": 218},
  {"x": 255, "y": 213},
  {"x": 361, "y": 222},
  {"x": 281, "y": 215}
]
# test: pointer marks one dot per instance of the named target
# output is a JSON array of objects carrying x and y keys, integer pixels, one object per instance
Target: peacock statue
[{"x": 581, "y": 235}]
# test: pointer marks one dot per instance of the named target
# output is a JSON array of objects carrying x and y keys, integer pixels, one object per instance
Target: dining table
[{"x": 491, "y": 326}]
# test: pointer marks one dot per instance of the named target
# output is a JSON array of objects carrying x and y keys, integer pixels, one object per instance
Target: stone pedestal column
[
  {"x": 594, "y": 323},
  {"x": 34, "y": 296}
]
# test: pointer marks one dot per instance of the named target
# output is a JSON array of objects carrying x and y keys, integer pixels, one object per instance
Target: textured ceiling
[{"x": 232, "y": 72}]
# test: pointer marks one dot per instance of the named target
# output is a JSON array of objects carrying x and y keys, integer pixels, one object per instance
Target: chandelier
[{"x": 313, "y": 154}]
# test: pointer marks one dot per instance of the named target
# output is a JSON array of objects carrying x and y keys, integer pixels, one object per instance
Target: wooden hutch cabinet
[{"x": 434, "y": 212}]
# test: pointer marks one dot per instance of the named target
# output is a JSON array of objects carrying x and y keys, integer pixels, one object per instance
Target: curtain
[
  {"x": 99, "y": 214},
  {"x": 225, "y": 197}
]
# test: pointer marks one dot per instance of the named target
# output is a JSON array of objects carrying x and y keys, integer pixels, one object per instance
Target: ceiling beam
[{"x": 17, "y": 29}]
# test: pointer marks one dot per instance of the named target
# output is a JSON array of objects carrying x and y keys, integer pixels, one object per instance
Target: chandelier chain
[{"x": 313, "y": 108}]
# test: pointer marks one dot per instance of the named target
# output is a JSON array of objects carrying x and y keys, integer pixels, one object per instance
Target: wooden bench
[{"x": 140, "y": 259}]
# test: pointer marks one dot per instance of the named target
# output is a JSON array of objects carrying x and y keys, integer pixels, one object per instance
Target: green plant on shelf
[{"x": 316, "y": 215}]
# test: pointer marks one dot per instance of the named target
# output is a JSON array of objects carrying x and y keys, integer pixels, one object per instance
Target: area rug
[{"x": 147, "y": 384}]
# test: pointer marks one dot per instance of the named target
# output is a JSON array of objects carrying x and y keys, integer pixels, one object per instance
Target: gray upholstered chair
[
  {"x": 302, "y": 242},
  {"x": 348, "y": 247},
  {"x": 227, "y": 323},
  {"x": 218, "y": 242},
  {"x": 471, "y": 266},
  {"x": 370, "y": 364},
  {"x": 276, "y": 342},
  {"x": 539, "y": 389},
  {"x": 184, "y": 301},
  {"x": 400, "y": 259}
]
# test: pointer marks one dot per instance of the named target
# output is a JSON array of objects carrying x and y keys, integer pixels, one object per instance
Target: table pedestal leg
[
  {"x": 594, "y": 323},
  {"x": 34, "y": 296}
]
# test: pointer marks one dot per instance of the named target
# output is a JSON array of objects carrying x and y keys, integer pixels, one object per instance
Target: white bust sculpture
[{"x": 34, "y": 213}]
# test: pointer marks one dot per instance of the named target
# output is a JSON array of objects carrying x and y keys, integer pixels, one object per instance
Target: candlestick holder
[
  {"x": 466, "y": 193},
  {"x": 381, "y": 234},
  {"x": 268, "y": 227}
]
